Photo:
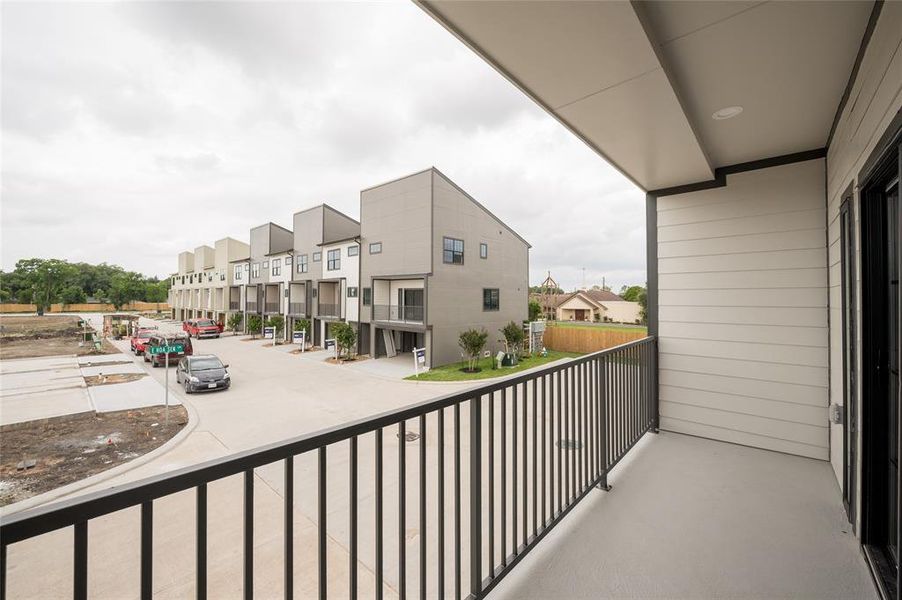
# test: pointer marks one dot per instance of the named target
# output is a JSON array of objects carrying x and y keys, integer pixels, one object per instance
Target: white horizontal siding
[
  {"x": 875, "y": 98},
  {"x": 743, "y": 310}
]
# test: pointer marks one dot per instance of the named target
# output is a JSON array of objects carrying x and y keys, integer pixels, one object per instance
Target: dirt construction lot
[
  {"x": 70, "y": 448},
  {"x": 49, "y": 335}
]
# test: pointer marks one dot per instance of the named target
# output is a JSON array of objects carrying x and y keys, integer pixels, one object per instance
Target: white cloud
[{"x": 132, "y": 131}]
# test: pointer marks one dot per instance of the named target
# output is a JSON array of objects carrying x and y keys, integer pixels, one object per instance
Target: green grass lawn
[
  {"x": 453, "y": 371},
  {"x": 602, "y": 326}
]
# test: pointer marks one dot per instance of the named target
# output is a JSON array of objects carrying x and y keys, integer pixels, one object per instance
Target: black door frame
[
  {"x": 875, "y": 512},
  {"x": 849, "y": 354}
]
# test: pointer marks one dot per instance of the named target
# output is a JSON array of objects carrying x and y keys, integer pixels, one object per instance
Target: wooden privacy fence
[
  {"x": 588, "y": 339},
  {"x": 8, "y": 307}
]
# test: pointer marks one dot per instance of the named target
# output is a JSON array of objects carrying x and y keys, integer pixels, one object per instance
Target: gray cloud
[{"x": 226, "y": 115}]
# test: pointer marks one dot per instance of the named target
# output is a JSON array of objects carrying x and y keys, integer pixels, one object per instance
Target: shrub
[
  {"x": 345, "y": 338},
  {"x": 472, "y": 341},
  {"x": 513, "y": 338},
  {"x": 234, "y": 323},
  {"x": 277, "y": 322},
  {"x": 535, "y": 310},
  {"x": 254, "y": 325}
]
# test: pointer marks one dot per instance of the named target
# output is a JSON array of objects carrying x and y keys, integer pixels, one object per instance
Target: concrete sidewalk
[{"x": 40, "y": 388}]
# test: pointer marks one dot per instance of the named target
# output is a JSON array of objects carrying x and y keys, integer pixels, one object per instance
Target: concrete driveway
[{"x": 275, "y": 395}]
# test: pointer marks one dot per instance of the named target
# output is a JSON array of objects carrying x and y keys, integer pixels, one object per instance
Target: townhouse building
[
  {"x": 436, "y": 262},
  {"x": 317, "y": 231},
  {"x": 202, "y": 287},
  {"x": 270, "y": 244}
]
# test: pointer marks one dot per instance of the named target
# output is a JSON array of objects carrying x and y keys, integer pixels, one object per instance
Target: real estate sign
[
  {"x": 269, "y": 333},
  {"x": 299, "y": 337},
  {"x": 419, "y": 360},
  {"x": 331, "y": 345}
]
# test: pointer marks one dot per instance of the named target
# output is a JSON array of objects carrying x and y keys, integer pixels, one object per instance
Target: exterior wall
[
  {"x": 454, "y": 292},
  {"x": 877, "y": 94},
  {"x": 259, "y": 237},
  {"x": 743, "y": 310},
  {"x": 567, "y": 311},
  {"x": 397, "y": 214},
  {"x": 621, "y": 312},
  {"x": 228, "y": 250},
  {"x": 349, "y": 274},
  {"x": 186, "y": 262},
  {"x": 337, "y": 225}
]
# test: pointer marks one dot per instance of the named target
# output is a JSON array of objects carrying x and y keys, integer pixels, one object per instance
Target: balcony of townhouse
[
  {"x": 252, "y": 302},
  {"x": 272, "y": 298},
  {"x": 399, "y": 301},
  {"x": 548, "y": 484},
  {"x": 234, "y": 297},
  {"x": 329, "y": 304},
  {"x": 297, "y": 299}
]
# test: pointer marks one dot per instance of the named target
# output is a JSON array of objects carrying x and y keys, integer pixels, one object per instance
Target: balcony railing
[
  {"x": 401, "y": 314},
  {"x": 329, "y": 310},
  {"x": 234, "y": 304},
  {"x": 530, "y": 447},
  {"x": 297, "y": 308},
  {"x": 272, "y": 307}
]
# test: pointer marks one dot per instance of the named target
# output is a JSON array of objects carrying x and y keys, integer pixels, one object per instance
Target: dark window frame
[
  {"x": 491, "y": 299},
  {"x": 333, "y": 259},
  {"x": 452, "y": 255},
  {"x": 353, "y": 250},
  {"x": 367, "y": 296},
  {"x": 317, "y": 257},
  {"x": 376, "y": 248},
  {"x": 352, "y": 291},
  {"x": 483, "y": 250}
]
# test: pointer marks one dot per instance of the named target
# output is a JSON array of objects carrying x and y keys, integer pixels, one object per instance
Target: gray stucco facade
[{"x": 404, "y": 226}]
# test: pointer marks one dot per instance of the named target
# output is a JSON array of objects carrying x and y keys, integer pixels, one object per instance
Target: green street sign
[{"x": 177, "y": 348}]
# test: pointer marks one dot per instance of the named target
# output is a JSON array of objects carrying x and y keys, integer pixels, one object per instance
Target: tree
[
  {"x": 631, "y": 293},
  {"x": 156, "y": 291},
  {"x": 277, "y": 322},
  {"x": 72, "y": 294},
  {"x": 125, "y": 288},
  {"x": 254, "y": 325},
  {"x": 535, "y": 310},
  {"x": 472, "y": 341},
  {"x": 643, "y": 306},
  {"x": 46, "y": 278},
  {"x": 234, "y": 323},
  {"x": 345, "y": 338},
  {"x": 513, "y": 338},
  {"x": 303, "y": 325}
]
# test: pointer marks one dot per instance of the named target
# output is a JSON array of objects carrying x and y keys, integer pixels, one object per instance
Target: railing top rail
[{"x": 44, "y": 519}]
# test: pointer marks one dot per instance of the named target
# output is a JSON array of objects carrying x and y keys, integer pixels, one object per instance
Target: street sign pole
[{"x": 167, "y": 390}]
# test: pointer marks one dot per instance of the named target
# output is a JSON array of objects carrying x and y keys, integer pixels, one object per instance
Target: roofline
[
  {"x": 336, "y": 211},
  {"x": 356, "y": 238},
  {"x": 268, "y": 223},
  {"x": 480, "y": 205},
  {"x": 288, "y": 251},
  {"x": 396, "y": 179}
]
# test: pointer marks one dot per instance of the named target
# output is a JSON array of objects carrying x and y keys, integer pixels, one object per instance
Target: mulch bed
[{"x": 70, "y": 448}]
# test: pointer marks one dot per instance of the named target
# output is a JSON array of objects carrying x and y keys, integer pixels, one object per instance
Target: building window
[
  {"x": 490, "y": 299},
  {"x": 288, "y": 261},
  {"x": 255, "y": 270},
  {"x": 367, "y": 296},
  {"x": 483, "y": 250},
  {"x": 353, "y": 250},
  {"x": 276, "y": 267},
  {"x": 333, "y": 260},
  {"x": 453, "y": 251},
  {"x": 222, "y": 276},
  {"x": 314, "y": 292},
  {"x": 352, "y": 292},
  {"x": 247, "y": 266},
  {"x": 376, "y": 248},
  {"x": 238, "y": 271},
  {"x": 302, "y": 263},
  {"x": 265, "y": 264},
  {"x": 317, "y": 256}
]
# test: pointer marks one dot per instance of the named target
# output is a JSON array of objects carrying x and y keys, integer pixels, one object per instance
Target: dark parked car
[
  {"x": 203, "y": 373},
  {"x": 159, "y": 339}
]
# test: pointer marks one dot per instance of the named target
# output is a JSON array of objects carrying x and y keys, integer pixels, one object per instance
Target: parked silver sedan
[{"x": 203, "y": 373}]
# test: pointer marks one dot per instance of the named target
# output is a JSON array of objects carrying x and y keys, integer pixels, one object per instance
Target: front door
[{"x": 880, "y": 242}]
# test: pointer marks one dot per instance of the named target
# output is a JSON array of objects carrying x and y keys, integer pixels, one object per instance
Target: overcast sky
[{"x": 133, "y": 131}]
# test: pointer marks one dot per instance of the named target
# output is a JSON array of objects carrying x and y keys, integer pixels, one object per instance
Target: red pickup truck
[
  {"x": 140, "y": 338},
  {"x": 199, "y": 328}
]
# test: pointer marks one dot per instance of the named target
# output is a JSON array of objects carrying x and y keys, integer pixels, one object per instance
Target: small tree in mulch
[
  {"x": 345, "y": 338},
  {"x": 277, "y": 322},
  {"x": 472, "y": 341},
  {"x": 513, "y": 338},
  {"x": 234, "y": 323},
  {"x": 303, "y": 325},
  {"x": 254, "y": 325}
]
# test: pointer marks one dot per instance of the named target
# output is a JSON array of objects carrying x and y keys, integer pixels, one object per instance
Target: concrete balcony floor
[{"x": 694, "y": 518}]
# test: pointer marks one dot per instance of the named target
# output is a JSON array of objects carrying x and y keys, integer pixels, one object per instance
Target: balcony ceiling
[{"x": 639, "y": 82}]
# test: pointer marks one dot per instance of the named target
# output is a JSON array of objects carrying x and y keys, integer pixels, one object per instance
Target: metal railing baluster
[
  {"x": 352, "y": 517},
  {"x": 322, "y": 512},
  {"x": 248, "y": 534},
  {"x": 423, "y": 507},
  {"x": 378, "y": 506},
  {"x": 80, "y": 561},
  {"x": 402, "y": 510},
  {"x": 146, "y": 550}
]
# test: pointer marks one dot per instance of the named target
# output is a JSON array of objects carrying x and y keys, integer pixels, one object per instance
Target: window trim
[
  {"x": 367, "y": 298},
  {"x": 301, "y": 265},
  {"x": 317, "y": 257},
  {"x": 352, "y": 288},
  {"x": 355, "y": 248},
  {"x": 483, "y": 250},
  {"x": 276, "y": 267},
  {"x": 375, "y": 247},
  {"x": 333, "y": 259}
]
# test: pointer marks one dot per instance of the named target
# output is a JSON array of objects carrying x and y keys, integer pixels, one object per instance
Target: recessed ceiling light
[{"x": 726, "y": 113}]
